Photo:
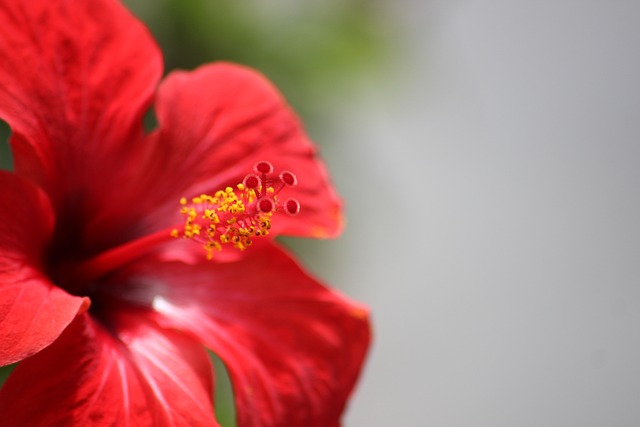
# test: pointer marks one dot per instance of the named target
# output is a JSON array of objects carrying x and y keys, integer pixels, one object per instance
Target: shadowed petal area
[
  {"x": 293, "y": 348},
  {"x": 141, "y": 375},
  {"x": 33, "y": 312},
  {"x": 75, "y": 80},
  {"x": 216, "y": 122}
]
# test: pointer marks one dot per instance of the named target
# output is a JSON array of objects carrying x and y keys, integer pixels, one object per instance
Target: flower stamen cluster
[{"x": 236, "y": 216}]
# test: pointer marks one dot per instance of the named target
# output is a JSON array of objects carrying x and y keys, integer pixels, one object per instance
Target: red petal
[
  {"x": 33, "y": 312},
  {"x": 146, "y": 376},
  {"x": 293, "y": 348},
  {"x": 218, "y": 121},
  {"x": 75, "y": 80}
]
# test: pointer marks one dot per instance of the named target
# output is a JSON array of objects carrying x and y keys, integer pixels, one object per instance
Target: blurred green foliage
[
  {"x": 223, "y": 396},
  {"x": 311, "y": 50},
  {"x": 5, "y": 371},
  {"x": 5, "y": 153}
]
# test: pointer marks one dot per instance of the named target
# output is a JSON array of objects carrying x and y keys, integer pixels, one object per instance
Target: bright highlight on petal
[{"x": 236, "y": 216}]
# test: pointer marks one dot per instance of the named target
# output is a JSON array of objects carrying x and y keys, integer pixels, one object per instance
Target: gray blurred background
[
  {"x": 493, "y": 189},
  {"x": 488, "y": 154}
]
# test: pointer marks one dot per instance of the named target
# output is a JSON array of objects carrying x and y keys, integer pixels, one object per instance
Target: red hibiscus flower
[{"x": 107, "y": 312}]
